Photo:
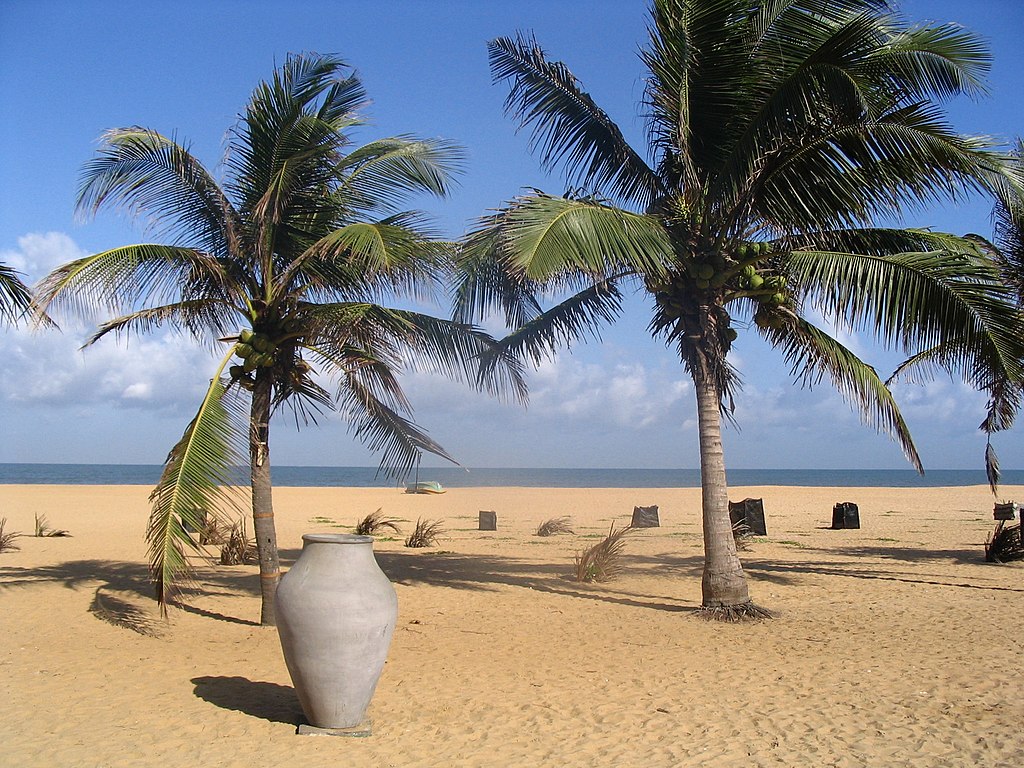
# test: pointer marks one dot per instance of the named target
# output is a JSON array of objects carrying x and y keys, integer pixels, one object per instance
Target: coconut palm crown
[
  {"x": 781, "y": 134},
  {"x": 282, "y": 268}
]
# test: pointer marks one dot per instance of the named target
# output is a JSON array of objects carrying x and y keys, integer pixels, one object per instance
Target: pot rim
[{"x": 336, "y": 538}]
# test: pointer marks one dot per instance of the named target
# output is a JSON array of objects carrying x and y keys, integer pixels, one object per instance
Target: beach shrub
[
  {"x": 603, "y": 561},
  {"x": 43, "y": 528},
  {"x": 555, "y": 526},
  {"x": 238, "y": 548},
  {"x": 376, "y": 521},
  {"x": 425, "y": 533},
  {"x": 7, "y": 537},
  {"x": 741, "y": 533}
]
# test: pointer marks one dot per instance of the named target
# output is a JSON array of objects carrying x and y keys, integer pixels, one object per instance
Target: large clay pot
[{"x": 336, "y": 611}]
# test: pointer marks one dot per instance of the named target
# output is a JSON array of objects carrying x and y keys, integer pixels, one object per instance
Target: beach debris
[
  {"x": 425, "y": 533},
  {"x": 845, "y": 514},
  {"x": 603, "y": 561},
  {"x": 1005, "y": 544},
  {"x": 424, "y": 486},
  {"x": 43, "y": 528},
  {"x": 238, "y": 549},
  {"x": 7, "y": 538},
  {"x": 645, "y": 517},
  {"x": 749, "y": 512},
  {"x": 741, "y": 535},
  {"x": 376, "y": 521},
  {"x": 488, "y": 520},
  {"x": 555, "y": 526}
]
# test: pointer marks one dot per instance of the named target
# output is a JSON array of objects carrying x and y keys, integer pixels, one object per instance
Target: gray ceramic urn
[{"x": 336, "y": 611}]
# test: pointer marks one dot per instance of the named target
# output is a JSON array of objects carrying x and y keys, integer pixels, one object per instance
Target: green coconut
[
  {"x": 245, "y": 335},
  {"x": 236, "y": 371},
  {"x": 244, "y": 351},
  {"x": 775, "y": 282},
  {"x": 778, "y": 299},
  {"x": 756, "y": 281},
  {"x": 705, "y": 272}
]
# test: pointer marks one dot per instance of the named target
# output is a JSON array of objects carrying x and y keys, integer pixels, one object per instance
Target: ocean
[{"x": 453, "y": 477}]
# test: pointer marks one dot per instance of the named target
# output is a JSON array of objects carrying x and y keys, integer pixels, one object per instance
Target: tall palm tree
[
  {"x": 282, "y": 267},
  {"x": 780, "y": 134},
  {"x": 15, "y": 296}
]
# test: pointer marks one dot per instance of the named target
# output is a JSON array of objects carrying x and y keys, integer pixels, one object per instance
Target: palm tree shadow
[
  {"x": 481, "y": 572},
  {"x": 124, "y": 586},
  {"x": 267, "y": 701}
]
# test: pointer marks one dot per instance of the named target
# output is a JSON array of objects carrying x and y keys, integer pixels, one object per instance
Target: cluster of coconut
[{"x": 256, "y": 351}]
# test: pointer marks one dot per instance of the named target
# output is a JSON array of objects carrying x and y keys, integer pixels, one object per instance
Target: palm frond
[
  {"x": 196, "y": 483},
  {"x": 398, "y": 440},
  {"x": 196, "y": 317},
  {"x": 382, "y": 174},
  {"x": 131, "y": 275},
  {"x": 152, "y": 176},
  {"x": 547, "y": 238},
  {"x": 15, "y": 296},
  {"x": 568, "y": 128},
  {"x": 813, "y": 354},
  {"x": 952, "y": 301},
  {"x": 569, "y": 321}
]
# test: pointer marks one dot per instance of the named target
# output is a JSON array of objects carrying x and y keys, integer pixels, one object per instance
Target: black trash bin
[
  {"x": 749, "y": 512},
  {"x": 845, "y": 515}
]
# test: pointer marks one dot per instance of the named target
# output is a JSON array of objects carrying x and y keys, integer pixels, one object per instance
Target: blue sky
[{"x": 70, "y": 70}]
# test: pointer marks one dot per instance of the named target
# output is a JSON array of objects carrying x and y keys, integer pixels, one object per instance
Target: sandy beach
[{"x": 894, "y": 645}]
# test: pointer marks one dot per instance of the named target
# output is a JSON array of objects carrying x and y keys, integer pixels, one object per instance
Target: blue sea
[{"x": 453, "y": 477}]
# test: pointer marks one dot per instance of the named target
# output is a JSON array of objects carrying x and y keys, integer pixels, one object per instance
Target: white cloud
[{"x": 47, "y": 368}]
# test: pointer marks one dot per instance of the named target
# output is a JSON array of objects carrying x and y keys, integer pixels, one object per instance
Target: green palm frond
[
  {"x": 197, "y": 317},
  {"x": 813, "y": 354},
  {"x": 577, "y": 317},
  {"x": 153, "y": 177},
  {"x": 483, "y": 283},
  {"x": 398, "y": 440},
  {"x": 15, "y": 296},
  {"x": 549, "y": 238},
  {"x": 384, "y": 173},
  {"x": 125, "y": 277},
  {"x": 920, "y": 300},
  {"x": 568, "y": 128},
  {"x": 196, "y": 482}
]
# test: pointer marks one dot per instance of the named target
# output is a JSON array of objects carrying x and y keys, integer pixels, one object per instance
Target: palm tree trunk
[
  {"x": 262, "y": 496},
  {"x": 724, "y": 585}
]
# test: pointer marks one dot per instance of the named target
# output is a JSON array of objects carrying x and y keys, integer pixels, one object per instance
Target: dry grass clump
[
  {"x": 43, "y": 528},
  {"x": 1004, "y": 544},
  {"x": 425, "y": 534},
  {"x": 238, "y": 548},
  {"x": 7, "y": 538},
  {"x": 376, "y": 521},
  {"x": 555, "y": 526},
  {"x": 741, "y": 534},
  {"x": 213, "y": 532},
  {"x": 603, "y": 561}
]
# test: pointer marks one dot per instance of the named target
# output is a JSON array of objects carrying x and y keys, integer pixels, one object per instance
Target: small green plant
[
  {"x": 425, "y": 533},
  {"x": 603, "y": 561},
  {"x": 43, "y": 528},
  {"x": 7, "y": 538},
  {"x": 555, "y": 526},
  {"x": 238, "y": 548},
  {"x": 213, "y": 532},
  {"x": 376, "y": 521}
]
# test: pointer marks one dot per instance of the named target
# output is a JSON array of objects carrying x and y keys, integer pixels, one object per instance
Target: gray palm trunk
[
  {"x": 262, "y": 496},
  {"x": 723, "y": 584}
]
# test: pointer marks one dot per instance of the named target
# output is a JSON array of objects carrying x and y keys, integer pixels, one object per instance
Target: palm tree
[
  {"x": 781, "y": 133},
  {"x": 15, "y": 297},
  {"x": 282, "y": 267}
]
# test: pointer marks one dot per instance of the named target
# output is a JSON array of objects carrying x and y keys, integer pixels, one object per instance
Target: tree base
[{"x": 734, "y": 613}]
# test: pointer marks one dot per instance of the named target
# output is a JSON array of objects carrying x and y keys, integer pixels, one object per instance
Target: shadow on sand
[{"x": 267, "y": 701}]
